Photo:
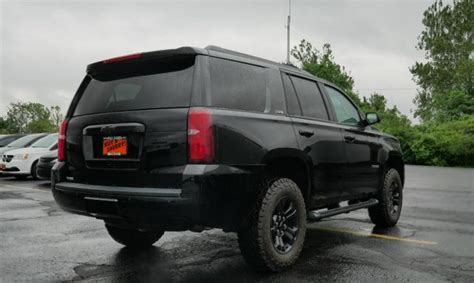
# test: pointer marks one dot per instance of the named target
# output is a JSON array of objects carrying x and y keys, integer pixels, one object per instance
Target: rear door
[
  {"x": 318, "y": 137},
  {"x": 130, "y": 121},
  {"x": 362, "y": 147}
]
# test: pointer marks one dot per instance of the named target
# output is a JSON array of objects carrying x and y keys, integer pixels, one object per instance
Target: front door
[{"x": 361, "y": 147}]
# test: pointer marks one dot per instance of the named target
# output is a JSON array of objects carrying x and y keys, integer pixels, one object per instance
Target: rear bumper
[{"x": 209, "y": 195}]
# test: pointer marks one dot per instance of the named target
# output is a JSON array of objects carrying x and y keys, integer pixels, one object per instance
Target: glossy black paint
[{"x": 334, "y": 162}]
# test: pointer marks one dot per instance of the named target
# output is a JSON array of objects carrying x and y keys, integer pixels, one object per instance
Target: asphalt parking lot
[{"x": 434, "y": 241}]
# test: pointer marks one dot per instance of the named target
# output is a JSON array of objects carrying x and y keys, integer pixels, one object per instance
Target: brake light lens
[
  {"x": 200, "y": 136},
  {"x": 62, "y": 140},
  {"x": 123, "y": 58}
]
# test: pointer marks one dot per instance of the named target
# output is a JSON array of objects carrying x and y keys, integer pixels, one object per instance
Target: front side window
[
  {"x": 346, "y": 112},
  {"x": 310, "y": 98}
]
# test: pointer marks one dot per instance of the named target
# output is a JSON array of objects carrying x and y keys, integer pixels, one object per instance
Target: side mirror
[{"x": 372, "y": 118}]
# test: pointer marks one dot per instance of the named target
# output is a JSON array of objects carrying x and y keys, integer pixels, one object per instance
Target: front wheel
[
  {"x": 387, "y": 212},
  {"x": 33, "y": 170},
  {"x": 132, "y": 237},
  {"x": 272, "y": 237}
]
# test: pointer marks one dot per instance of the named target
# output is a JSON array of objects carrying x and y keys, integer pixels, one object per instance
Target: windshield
[
  {"x": 4, "y": 140},
  {"x": 24, "y": 141},
  {"x": 46, "y": 142},
  {"x": 145, "y": 85}
]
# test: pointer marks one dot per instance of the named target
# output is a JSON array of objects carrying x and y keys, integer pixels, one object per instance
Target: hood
[
  {"x": 51, "y": 154},
  {"x": 29, "y": 150},
  {"x": 5, "y": 149}
]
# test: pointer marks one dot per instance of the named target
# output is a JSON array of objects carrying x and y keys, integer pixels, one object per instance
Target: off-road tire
[
  {"x": 383, "y": 214},
  {"x": 134, "y": 238},
  {"x": 255, "y": 235}
]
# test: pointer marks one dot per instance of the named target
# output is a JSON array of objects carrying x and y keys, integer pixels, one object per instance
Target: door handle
[
  {"x": 349, "y": 138},
  {"x": 306, "y": 133}
]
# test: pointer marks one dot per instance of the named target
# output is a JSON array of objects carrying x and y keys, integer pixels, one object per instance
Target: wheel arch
[
  {"x": 290, "y": 163},
  {"x": 395, "y": 160}
]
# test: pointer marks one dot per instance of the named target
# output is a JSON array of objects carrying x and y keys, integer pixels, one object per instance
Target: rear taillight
[
  {"x": 62, "y": 141},
  {"x": 200, "y": 136}
]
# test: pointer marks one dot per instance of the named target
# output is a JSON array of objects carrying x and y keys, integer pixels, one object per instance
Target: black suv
[{"x": 190, "y": 139}]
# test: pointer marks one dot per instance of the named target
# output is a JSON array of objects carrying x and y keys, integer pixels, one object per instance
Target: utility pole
[{"x": 288, "y": 34}]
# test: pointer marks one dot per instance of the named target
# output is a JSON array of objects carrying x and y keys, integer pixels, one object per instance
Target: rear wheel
[
  {"x": 272, "y": 237},
  {"x": 134, "y": 238},
  {"x": 387, "y": 212}
]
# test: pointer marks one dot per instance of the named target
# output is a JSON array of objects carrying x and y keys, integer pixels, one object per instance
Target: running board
[{"x": 316, "y": 216}]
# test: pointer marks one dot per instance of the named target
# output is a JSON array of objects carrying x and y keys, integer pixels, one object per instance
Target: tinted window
[
  {"x": 237, "y": 85},
  {"x": 25, "y": 141},
  {"x": 312, "y": 103},
  {"x": 275, "y": 97},
  {"x": 291, "y": 100},
  {"x": 46, "y": 142},
  {"x": 156, "y": 84},
  {"x": 346, "y": 112}
]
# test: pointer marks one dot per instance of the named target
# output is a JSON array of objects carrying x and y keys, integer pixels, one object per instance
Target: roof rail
[{"x": 236, "y": 53}]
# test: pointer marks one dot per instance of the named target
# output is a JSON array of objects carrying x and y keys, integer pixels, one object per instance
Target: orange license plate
[{"x": 114, "y": 146}]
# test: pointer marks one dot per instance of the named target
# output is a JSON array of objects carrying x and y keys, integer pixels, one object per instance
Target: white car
[{"x": 21, "y": 162}]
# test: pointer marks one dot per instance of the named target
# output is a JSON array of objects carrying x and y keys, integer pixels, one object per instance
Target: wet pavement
[{"x": 434, "y": 241}]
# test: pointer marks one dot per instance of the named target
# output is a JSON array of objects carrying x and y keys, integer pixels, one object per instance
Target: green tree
[
  {"x": 445, "y": 143},
  {"x": 3, "y": 126},
  {"x": 323, "y": 65},
  {"x": 29, "y": 117},
  {"x": 56, "y": 115},
  {"x": 446, "y": 77}
]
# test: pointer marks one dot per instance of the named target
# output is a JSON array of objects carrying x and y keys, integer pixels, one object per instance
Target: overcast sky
[{"x": 46, "y": 45}]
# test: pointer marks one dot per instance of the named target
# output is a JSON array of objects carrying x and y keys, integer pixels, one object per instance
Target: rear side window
[
  {"x": 291, "y": 100},
  {"x": 144, "y": 85},
  {"x": 241, "y": 86},
  {"x": 311, "y": 100}
]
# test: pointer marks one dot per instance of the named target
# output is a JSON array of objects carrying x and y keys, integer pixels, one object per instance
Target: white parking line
[{"x": 22, "y": 188}]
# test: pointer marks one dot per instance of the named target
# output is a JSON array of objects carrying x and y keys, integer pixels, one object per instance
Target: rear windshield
[
  {"x": 24, "y": 141},
  {"x": 144, "y": 85},
  {"x": 46, "y": 142}
]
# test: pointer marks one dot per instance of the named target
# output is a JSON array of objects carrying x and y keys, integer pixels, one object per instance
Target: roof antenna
[{"x": 288, "y": 34}]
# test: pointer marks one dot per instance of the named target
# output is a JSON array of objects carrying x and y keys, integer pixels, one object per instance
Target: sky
[{"x": 45, "y": 46}]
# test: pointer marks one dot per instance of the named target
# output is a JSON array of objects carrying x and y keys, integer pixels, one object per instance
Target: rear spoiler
[{"x": 111, "y": 64}]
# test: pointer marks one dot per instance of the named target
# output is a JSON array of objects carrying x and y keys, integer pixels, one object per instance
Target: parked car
[
  {"x": 191, "y": 138},
  {"x": 45, "y": 164},
  {"x": 22, "y": 162},
  {"x": 6, "y": 139},
  {"x": 22, "y": 142}
]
